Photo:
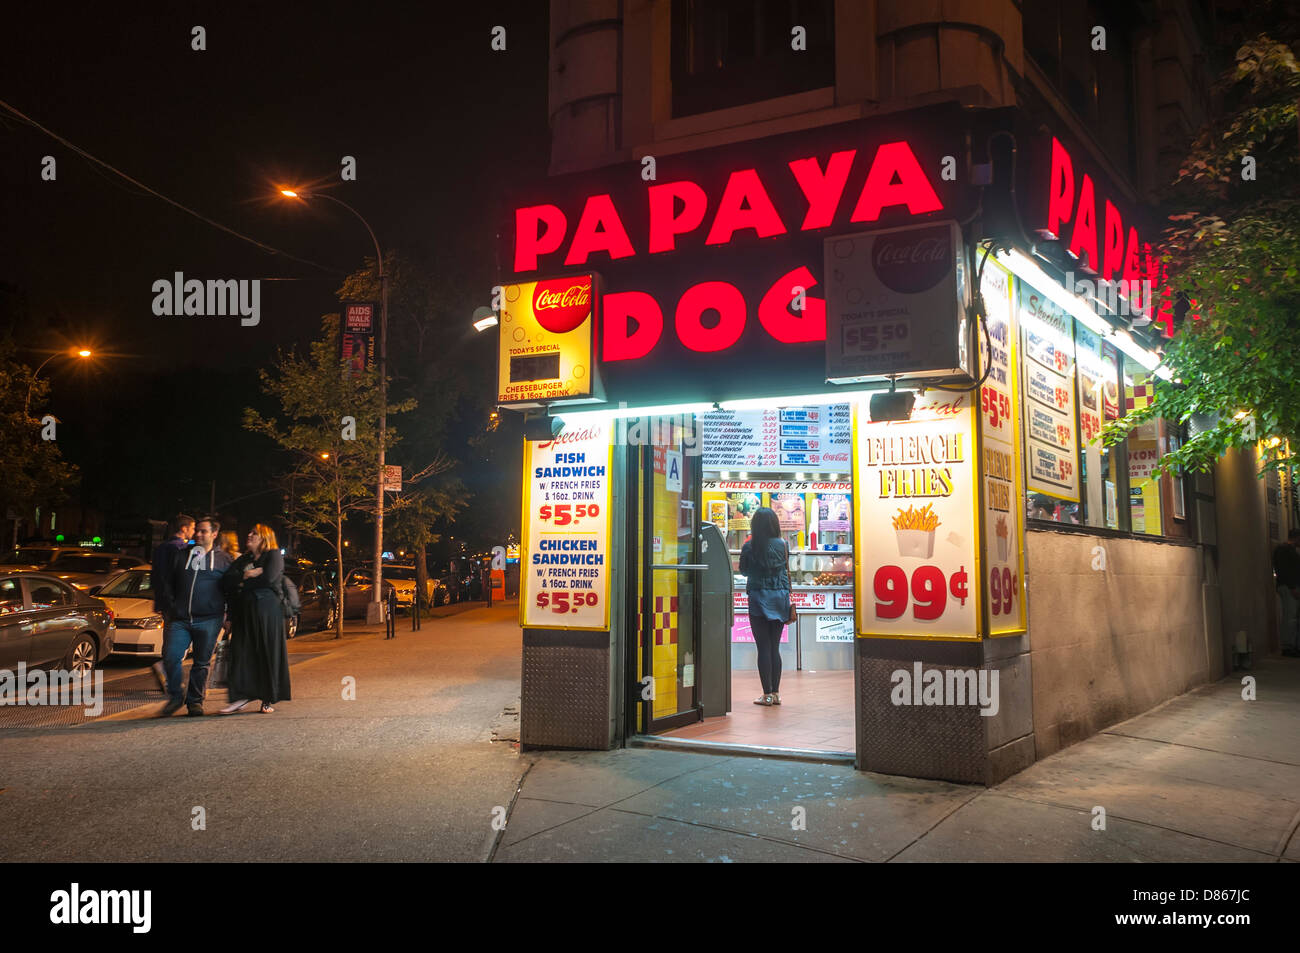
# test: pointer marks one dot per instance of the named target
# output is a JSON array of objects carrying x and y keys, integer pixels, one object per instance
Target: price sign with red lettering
[
  {"x": 564, "y": 556},
  {"x": 1001, "y": 470},
  {"x": 915, "y": 547},
  {"x": 1049, "y": 373}
]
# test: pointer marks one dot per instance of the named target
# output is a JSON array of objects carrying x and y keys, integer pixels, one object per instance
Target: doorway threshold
[{"x": 737, "y": 750}]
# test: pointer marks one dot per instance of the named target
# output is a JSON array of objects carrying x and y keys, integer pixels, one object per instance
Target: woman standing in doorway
[
  {"x": 259, "y": 662},
  {"x": 764, "y": 561}
]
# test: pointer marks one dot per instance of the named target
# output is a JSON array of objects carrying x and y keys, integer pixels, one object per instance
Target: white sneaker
[{"x": 235, "y": 706}]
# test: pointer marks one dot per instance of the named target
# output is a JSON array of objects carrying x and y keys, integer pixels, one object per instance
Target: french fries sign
[{"x": 915, "y": 546}]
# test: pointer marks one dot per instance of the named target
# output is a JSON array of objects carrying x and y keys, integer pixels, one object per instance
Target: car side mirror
[{"x": 94, "y": 590}]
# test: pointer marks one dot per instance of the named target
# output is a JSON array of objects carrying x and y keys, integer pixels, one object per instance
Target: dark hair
[
  {"x": 179, "y": 521},
  {"x": 764, "y": 526},
  {"x": 213, "y": 523}
]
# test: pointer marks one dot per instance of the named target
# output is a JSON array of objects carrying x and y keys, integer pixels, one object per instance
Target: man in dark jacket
[
  {"x": 179, "y": 531},
  {"x": 1286, "y": 566},
  {"x": 194, "y": 614}
]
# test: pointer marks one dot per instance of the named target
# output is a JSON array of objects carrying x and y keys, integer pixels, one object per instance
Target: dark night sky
[{"x": 438, "y": 122}]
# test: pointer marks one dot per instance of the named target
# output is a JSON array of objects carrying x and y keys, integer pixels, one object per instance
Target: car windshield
[
  {"x": 399, "y": 572},
  {"x": 81, "y": 563},
  {"x": 129, "y": 585},
  {"x": 27, "y": 557}
]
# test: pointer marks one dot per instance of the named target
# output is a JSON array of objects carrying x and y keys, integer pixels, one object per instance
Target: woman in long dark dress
[
  {"x": 764, "y": 560},
  {"x": 259, "y": 661}
]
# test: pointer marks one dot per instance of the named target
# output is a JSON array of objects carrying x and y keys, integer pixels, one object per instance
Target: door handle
[{"x": 694, "y": 567}]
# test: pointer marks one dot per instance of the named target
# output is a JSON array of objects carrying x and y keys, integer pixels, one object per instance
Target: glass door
[{"x": 670, "y": 578}]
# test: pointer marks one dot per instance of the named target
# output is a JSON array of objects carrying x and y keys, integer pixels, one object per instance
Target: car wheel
[
  {"x": 291, "y": 627},
  {"x": 83, "y": 654}
]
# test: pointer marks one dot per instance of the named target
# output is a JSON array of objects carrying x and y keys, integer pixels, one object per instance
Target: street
[{"x": 406, "y": 772}]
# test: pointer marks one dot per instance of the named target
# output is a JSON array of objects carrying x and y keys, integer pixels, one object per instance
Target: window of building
[
  {"x": 1073, "y": 383},
  {"x": 730, "y": 52},
  {"x": 1096, "y": 84}
]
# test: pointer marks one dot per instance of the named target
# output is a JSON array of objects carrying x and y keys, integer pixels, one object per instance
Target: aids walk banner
[
  {"x": 1001, "y": 492},
  {"x": 564, "y": 568},
  {"x": 915, "y": 541}
]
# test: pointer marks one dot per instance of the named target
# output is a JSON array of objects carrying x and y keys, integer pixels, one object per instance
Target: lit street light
[
  {"x": 80, "y": 352},
  {"x": 375, "y": 609}
]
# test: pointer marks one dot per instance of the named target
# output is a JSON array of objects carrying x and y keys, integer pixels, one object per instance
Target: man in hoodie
[
  {"x": 165, "y": 557},
  {"x": 194, "y": 616}
]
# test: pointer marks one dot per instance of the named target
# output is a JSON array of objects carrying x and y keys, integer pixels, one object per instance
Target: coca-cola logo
[
  {"x": 913, "y": 261},
  {"x": 562, "y": 304}
]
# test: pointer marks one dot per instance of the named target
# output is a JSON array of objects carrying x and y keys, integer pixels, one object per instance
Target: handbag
[
  {"x": 220, "y": 664},
  {"x": 792, "y": 617}
]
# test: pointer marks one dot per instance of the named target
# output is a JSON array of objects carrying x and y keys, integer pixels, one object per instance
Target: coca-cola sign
[
  {"x": 914, "y": 261},
  {"x": 562, "y": 304}
]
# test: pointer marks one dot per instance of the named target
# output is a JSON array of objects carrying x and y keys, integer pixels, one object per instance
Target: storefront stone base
[
  {"x": 565, "y": 693},
  {"x": 944, "y": 741}
]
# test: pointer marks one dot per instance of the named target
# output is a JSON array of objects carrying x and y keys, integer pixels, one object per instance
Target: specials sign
[
  {"x": 915, "y": 542},
  {"x": 564, "y": 555},
  {"x": 545, "y": 343}
]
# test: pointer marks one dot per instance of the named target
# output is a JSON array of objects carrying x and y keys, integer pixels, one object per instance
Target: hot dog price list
[{"x": 566, "y": 515}]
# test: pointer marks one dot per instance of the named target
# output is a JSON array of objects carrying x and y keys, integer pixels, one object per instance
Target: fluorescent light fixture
[
  {"x": 1025, "y": 268},
  {"x": 834, "y": 477},
  {"x": 800, "y": 400},
  {"x": 744, "y": 476},
  {"x": 614, "y": 413},
  {"x": 724, "y": 474},
  {"x": 482, "y": 324},
  {"x": 800, "y": 476}
]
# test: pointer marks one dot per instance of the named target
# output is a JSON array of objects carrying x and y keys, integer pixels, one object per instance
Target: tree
[
  {"x": 414, "y": 515},
  {"x": 1234, "y": 247},
  {"x": 329, "y": 429},
  {"x": 32, "y": 470}
]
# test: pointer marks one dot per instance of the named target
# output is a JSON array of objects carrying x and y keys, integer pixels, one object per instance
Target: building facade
[{"x": 706, "y": 157}]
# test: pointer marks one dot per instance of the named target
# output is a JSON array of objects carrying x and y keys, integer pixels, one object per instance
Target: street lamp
[
  {"x": 375, "y": 609},
  {"x": 79, "y": 352}
]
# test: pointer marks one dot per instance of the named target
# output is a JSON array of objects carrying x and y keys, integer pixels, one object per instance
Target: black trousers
[{"x": 767, "y": 637}]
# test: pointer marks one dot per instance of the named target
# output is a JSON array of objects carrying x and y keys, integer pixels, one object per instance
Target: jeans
[
  {"x": 1290, "y": 633},
  {"x": 767, "y": 636},
  {"x": 177, "y": 637}
]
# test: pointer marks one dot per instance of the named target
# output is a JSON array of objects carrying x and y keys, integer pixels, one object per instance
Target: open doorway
[{"x": 718, "y": 468}]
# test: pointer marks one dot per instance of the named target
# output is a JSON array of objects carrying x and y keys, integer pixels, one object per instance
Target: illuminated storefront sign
[
  {"x": 545, "y": 341},
  {"x": 712, "y": 273},
  {"x": 915, "y": 543}
]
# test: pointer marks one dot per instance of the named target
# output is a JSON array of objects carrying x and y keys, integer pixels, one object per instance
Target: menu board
[
  {"x": 1003, "y": 512},
  {"x": 565, "y": 573},
  {"x": 772, "y": 439},
  {"x": 1049, "y": 371},
  {"x": 916, "y": 505}
]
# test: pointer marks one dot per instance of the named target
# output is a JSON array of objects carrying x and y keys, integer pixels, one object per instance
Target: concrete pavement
[
  {"x": 1207, "y": 776},
  {"x": 405, "y": 771}
]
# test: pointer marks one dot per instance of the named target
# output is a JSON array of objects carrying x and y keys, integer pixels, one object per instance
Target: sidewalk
[{"x": 1204, "y": 777}]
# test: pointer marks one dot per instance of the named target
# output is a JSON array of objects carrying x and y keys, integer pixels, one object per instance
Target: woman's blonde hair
[
  {"x": 268, "y": 537},
  {"x": 230, "y": 543}
]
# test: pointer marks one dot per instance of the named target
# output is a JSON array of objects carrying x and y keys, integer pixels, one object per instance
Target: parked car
[
  {"x": 316, "y": 594},
  {"x": 87, "y": 569},
  {"x": 129, "y": 595},
  {"x": 357, "y": 588},
  {"x": 404, "y": 581},
  {"x": 38, "y": 555},
  {"x": 44, "y": 622}
]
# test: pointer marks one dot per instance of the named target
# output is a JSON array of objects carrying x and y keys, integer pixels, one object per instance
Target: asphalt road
[{"x": 405, "y": 771}]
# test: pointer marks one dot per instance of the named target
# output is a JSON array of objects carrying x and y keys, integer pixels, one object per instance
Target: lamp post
[
  {"x": 375, "y": 609},
  {"x": 78, "y": 352}
]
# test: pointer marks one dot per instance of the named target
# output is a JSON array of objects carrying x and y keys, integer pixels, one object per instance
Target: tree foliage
[
  {"x": 1234, "y": 247},
  {"x": 32, "y": 470}
]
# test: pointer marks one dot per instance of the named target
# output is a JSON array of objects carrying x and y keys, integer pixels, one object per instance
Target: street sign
[{"x": 393, "y": 479}]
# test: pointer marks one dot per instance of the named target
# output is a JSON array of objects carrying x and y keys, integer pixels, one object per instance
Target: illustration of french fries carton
[
  {"x": 914, "y": 530},
  {"x": 1000, "y": 531}
]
